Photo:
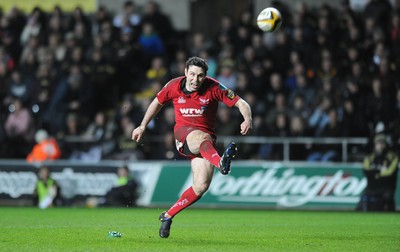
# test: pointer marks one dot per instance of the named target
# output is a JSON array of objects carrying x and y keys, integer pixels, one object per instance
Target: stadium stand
[{"x": 327, "y": 72}]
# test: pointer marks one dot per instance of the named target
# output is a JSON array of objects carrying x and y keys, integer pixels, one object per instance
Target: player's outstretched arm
[
  {"x": 151, "y": 112},
  {"x": 245, "y": 110}
]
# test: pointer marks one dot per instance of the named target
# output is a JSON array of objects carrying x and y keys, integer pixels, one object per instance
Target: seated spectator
[
  {"x": 128, "y": 12},
  {"x": 227, "y": 74},
  {"x": 124, "y": 193},
  {"x": 71, "y": 95},
  {"x": 279, "y": 128},
  {"x": 19, "y": 129},
  {"x": 100, "y": 76},
  {"x": 302, "y": 88},
  {"x": 46, "y": 148},
  {"x": 258, "y": 79},
  {"x": 99, "y": 134},
  {"x": 275, "y": 87},
  {"x": 68, "y": 136},
  {"x": 299, "y": 107},
  {"x": 198, "y": 43},
  {"x": 298, "y": 128},
  {"x": 101, "y": 128},
  {"x": 227, "y": 122},
  {"x": 47, "y": 192},
  {"x": 18, "y": 87},
  {"x": 178, "y": 63},
  {"x": 153, "y": 14},
  {"x": 151, "y": 42},
  {"x": 126, "y": 149},
  {"x": 333, "y": 128},
  {"x": 319, "y": 117},
  {"x": 166, "y": 150},
  {"x": 35, "y": 25},
  {"x": 157, "y": 70},
  {"x": 43, "y": 87},
  {"x": 354, "y": 123},
  {"x": 279, "y": 108},
  {"x": 212, "y": 63},
  {"x": 380, "y": 106}
]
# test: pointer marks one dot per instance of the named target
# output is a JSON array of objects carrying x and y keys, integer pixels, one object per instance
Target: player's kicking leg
[
  {"x": 227, "y": 157},
  {"x": 202, "y": 172}
]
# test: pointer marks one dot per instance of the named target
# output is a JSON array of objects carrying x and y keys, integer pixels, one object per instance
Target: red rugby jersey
[{"x": 197, "y": 109}]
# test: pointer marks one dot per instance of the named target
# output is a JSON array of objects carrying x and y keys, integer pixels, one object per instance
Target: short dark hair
[
  {"x": 128, "y": 3},
  {"x": 197, "y": 61}
]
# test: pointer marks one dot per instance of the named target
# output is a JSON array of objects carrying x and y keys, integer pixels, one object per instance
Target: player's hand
[
  {"x": 138, "y": 133},
  {"x": 246, "y": 127}
]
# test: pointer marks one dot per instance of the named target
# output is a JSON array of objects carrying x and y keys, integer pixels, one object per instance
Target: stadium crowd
[{"x": 88, "y": 78}]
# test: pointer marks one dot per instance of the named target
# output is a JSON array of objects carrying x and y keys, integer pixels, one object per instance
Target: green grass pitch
[{"x": 80, "y": 229}]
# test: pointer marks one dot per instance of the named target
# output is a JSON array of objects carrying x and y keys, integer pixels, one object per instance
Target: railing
[{"x": 287, "y": 141}]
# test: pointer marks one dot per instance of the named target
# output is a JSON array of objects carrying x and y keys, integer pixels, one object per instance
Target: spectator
[
  {"x": 299, "y": 107},
  {"x": 99, "y": 133},
  {"x": 79, "y": 19},
  {"x": 166, "y": 149},
  {"x": 126, "y": 149},
  {"x": 279, "y": 108},
  {"x": 279, "y": 128},
  {"x": 71, "y": 95},
  {"x": 34, "y": 27},
  {"x": 227, "y": 74},
  {"x": 18, "y": 88},
  {"x": 10, "y": 41},
  {"x": 129, "y": 13},
  {"x": 19, "y": 128},
  {"x": 124, "y": 193},
  {"x": 43, "y": 88},
  {"x": 275, "y": 87},
  {"x": 56, "y": 47},
  {"x": 319, "y": 117},
  {"x": 151, "y": 42},
  {"x": 128, "y": 63},
  {"x": 354, "y": 123},
  {"x": 198, "y": 43},
  {"x": 101, "y": 128},
  {"x": 328, "y": 152},
  {"x": 380, "y": 169},
  {"x": 246, "y": 59},
  {"x": 298, "y": 128},
  {"x": 226, "y": 121},
  {"x": 302, "y": 87},
  {"x": 100, "y": 17},
  {"x": 159, "y": 21},
  {"x": 258, "y": 79},
  {"x": 71, "y": 129},
  {"x": 157, "y": 71},
  {"x": 47, "y": 192},
  {"x": 379, "y": 106},
  {"x": 177, "y": 65},
  {"x": 100, "y": 76},
  {"x": 46, "y": 148},
  {"x": 55, "y": 25}
]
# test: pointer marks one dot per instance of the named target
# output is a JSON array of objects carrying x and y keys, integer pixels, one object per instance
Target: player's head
[
  {"x": 195, "y": 72},
  {"x": 197, "y": 61}
]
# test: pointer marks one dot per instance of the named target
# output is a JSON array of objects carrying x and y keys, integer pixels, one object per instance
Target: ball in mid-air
[{"x": 269, "y": 19}]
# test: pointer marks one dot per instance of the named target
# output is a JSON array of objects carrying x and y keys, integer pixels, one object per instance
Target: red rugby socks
[
  {"x": 188, "y": 197},
  {"x": 208, "y": 152}
]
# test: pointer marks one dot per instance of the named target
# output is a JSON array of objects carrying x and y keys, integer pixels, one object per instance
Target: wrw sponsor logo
[
  {"x": 191, "y": 112},
  {"x": 288, "y": 189}
]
